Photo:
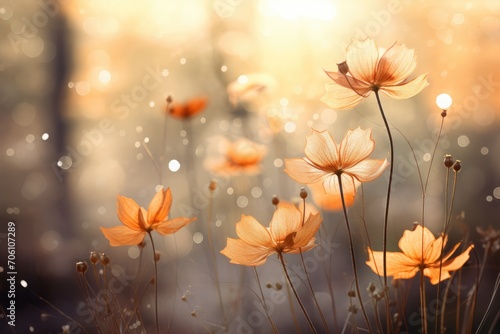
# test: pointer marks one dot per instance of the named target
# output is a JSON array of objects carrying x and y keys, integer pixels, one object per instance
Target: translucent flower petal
[
  {"x": 123, "y": 236},
  {"x": 407, "y": 89}
]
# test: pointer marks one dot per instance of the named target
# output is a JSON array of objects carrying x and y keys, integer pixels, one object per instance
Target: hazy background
[{"x": 83, "y": 86}]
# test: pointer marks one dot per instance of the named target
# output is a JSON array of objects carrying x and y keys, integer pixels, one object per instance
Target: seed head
[
  {"x": 448, "y": 161},
  {"x": 275, "y": 200},
  {"x": 82, "y": 267},
  {"x": 343, "y": 67},
  {"x": 457, "y": 166},
  {"x": 104, "y": 259},
  {"x": 94, "y": 258},
  {"x": 303, "y": 193}
]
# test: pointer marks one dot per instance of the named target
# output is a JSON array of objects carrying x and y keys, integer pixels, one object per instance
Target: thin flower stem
[
  {"x": 275, "y": 330},
  {"x": 386, "y": 214},
  {"x": 171, "y": 321},
  {"x": 214, "y": 261},
  {"x": 309, "y": 321},
  {"x": 423, "y": 308},
  {"x": 58, "y": 310},
  {"x": 323, "y": 319},
  {"x": 442, "y": 245},
  {"x": 353, "y": 257},
  {"x": 424, "y": 193},
  {"x": 377, "y": 317},
  {"x": 156, "y": 283},
  {"x": 155, "y": 163}
]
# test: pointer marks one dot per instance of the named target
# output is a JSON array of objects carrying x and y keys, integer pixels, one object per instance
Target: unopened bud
[
  {"x": 371, "y": 287},
  {"x": 303, "y": 193},
  {"x": 94, "y": 258},
  {"x": 457, "y": 166},
  {"x": 443, "y": 114},
  {"x": 213, "y": 185},
  {"x": 169, "y": 99},
  {"x": 82, "y": 267},
  {"x": 353, "y": 309},
  {"x": 275, "y": 200},
  {"x": 278, "y": 286},
  {"x": 104, "y": 259},
  {"x": 351, "y": 293},
  {"x": 448, "y": 161},
  {"x": 343, "y": 68}
]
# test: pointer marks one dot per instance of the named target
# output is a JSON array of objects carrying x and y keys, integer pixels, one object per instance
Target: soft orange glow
[
  {"x": 242, "y": 156},
  {"x": 189, "y": 108}
]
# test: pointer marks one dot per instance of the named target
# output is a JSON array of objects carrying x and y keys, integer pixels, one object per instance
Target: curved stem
[
  {"x": 156, "y": 283},
  {"x": 323, "y": 319},
  {"x": 353, "y": 257},
  {"x": 214, "y": 261},
  {"x": 309, "y": 321},
  {"x": 275, "y": 330},
  {"x": 386, "y": 214}
]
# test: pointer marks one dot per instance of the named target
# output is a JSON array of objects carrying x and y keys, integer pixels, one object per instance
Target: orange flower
[
  {"x": 365, "y": 70},
  {"x": 331, "y": 202},
  {"x": 408, "y": 263},
  {"x": 325, "y": 160},
  {"x": 251, "y": 90},
  {"x": 188, "y": 109},
  {"x": 286, "y": 234},
  {"x": 241, "y": 157},
  {"x": 137, "y": 221}
]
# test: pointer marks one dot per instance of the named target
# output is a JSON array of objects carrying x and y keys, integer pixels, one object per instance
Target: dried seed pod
[
  {"x": 82, "y": 267},
  {"x": 448, "y": 161}
]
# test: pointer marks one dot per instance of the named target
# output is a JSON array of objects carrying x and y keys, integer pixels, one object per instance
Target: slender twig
[
  {"x": 353, "y": 257},
  {"x": 386, "y": 214},
  {"x": 309, "y": 321},
  {"x": 156, "y": 283},
  {"x": 275, "y": 330},
  {"x": 424, "y": 193},
  {"x": 153, "y": 160},
  {"x": 322, "y": 316},
  {"x": 214, "y": 260}
]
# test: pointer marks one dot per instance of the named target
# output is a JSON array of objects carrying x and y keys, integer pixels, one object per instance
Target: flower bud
[
  {"x": 343, "y": 68},
  {"x": 213, "y": 185},
  {"x": 82, "y": 267},
  {"x": 94, "y": 258},
  {"x": 169, "y": 99},
  {"x": 351, "y": 293},
  {"x": 275, "y": 200},
  {"x": 104, "y": 259},
  {"x": 303, "y": 193},
  {"x": 448, "y": 161},
  {"x": 457, "y": 166}
]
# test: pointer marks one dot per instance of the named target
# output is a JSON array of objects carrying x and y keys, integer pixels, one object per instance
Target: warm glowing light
[
  {"x": 174, "y": 165},
  {"x": 242, "y": 79},
  {"x": 443, "y": 101},
  {"x": 297, "y": 9},
  {"x": 104, "y": 76}
]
